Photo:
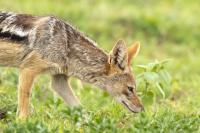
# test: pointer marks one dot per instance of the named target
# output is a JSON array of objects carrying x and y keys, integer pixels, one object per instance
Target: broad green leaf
[
  {"x": 148, "y": 98},
  {"x": 151, "y": 77},
  {"x": 165, "y": 76}
]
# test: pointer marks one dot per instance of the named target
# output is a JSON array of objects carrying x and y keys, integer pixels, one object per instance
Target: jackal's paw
[
  {"x": 76, "y": 106},
  {"x": 74, "y": 103},
  {"x": 22, "y": 117}
]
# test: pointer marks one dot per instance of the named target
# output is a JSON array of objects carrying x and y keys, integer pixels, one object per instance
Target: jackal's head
[{"x": 120, "y": 82}]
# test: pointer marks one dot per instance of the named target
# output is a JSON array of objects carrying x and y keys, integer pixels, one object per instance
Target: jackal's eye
[{"x": 130, "y": 88}]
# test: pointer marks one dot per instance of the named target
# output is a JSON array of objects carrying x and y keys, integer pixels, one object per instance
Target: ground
[{"x": 166, "y": 29}]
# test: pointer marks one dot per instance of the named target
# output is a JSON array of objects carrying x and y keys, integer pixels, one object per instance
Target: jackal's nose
[
  {"x": 137, "y": 109},
  {"x": 140, "y": 109}
]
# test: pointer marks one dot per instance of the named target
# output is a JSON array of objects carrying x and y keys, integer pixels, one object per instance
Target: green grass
[{"x": 167, "y": 30}]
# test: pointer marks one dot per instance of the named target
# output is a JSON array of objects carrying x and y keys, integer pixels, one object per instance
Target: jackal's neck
[{"x": 87, "y": 62}]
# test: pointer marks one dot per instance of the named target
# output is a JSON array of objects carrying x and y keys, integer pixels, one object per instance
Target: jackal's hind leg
[{"x": 61, "y": 85}]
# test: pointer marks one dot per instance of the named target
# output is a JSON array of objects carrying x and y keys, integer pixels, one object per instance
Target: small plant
[{"x": 154, "y": 82}]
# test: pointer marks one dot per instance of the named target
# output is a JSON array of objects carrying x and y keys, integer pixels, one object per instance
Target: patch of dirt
[
  {"x": 2, "y": 113},
  {"x": 177, "y": 95}
]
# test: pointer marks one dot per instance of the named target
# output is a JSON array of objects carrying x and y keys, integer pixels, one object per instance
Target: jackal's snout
[{"x": 135, "y": 105}]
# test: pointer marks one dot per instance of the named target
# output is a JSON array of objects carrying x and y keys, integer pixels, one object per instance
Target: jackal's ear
[
  {"x": 133, "y": 50},
  {"x": 118, "y": 56}
]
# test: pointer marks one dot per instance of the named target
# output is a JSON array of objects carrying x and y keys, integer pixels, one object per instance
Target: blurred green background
[{"x": 167, "y": 29}]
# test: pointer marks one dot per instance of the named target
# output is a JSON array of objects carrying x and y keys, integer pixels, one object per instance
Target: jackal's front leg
[
  {"x": 61, "y": 85},
  {"x": 26, "y": 78}
]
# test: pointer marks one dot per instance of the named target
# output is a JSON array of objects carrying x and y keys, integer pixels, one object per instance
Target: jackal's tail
[{"x": 15, "y": 27}]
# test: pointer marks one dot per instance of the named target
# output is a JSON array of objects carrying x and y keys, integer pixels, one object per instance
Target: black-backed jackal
[{"x": 49, "y": 45}]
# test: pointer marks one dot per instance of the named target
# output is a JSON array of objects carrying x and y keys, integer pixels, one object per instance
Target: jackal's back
[{"x": 15, "y": 27}]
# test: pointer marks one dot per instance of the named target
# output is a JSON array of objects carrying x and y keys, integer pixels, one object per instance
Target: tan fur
[
  {"x": 41, "y": 21},
  {"x": 133, "y": 51},
  {"x": 24, "y": 89},
  {"x": 10, "y": 53}
]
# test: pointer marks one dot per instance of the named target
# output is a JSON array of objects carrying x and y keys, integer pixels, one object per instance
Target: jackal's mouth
[{"x": 129, "y": 107}]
